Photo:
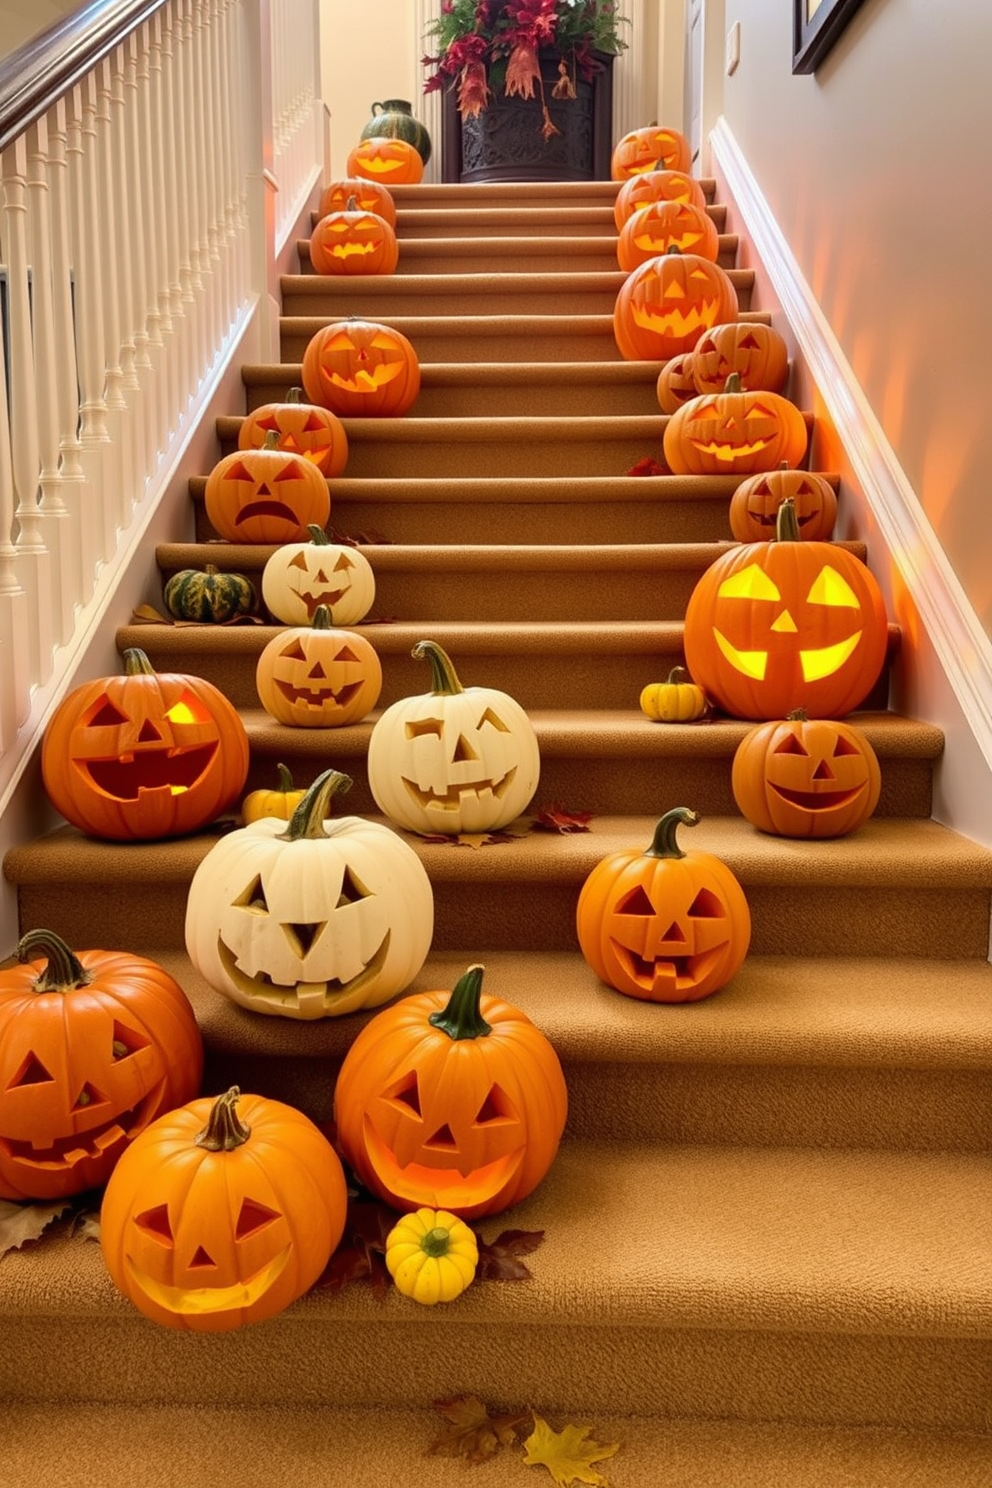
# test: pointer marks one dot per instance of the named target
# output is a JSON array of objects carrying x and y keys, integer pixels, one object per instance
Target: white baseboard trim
[{"x": 960, "y": 643}]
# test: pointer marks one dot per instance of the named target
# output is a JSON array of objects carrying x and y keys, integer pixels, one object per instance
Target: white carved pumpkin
[
  {"x": 299, "y": 577},
  {"x": 455, "y": 759},
  {"x": 313, "y": 918}
]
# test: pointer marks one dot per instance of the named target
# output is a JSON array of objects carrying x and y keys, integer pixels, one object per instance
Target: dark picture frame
[{"x": 815, "y": 29}]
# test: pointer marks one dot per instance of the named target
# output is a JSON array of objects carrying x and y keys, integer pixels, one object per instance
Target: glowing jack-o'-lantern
[
  {"x": 649, "y": 149},
  {"x": 311, "y": 919},
  {"x": 265, "y": 495},
  {"x": 224, "y": 1213},
  {"x": 756, "y": 352},
  {"x": 668, "y": 302},
  {"x": 664, "y": 925},
  {"x": 144, "y": 755},
  {"x": 734, "y": 432},
  {"x": 300, "y": 577},
  {"x": 353, "y": 242},
  {"x": 782, "y": 624},
  {"x": 370, "y": 196},
  {"x": 456, "y": 759},
  {"x": 361, "y": 368},
  {"x": 306, "y": 429},
  {"x": 658, "y": 185},
  {"x": 93, "y": 1047},
  {"x": 456, "y": 1101},
  {"x": 806, "y": 777},
  {"x": 666, "y": 224},
  {"x": 391, "y": 161},
  {"x": 754, "y": 505},
  {"x": 317, "y": 676}
]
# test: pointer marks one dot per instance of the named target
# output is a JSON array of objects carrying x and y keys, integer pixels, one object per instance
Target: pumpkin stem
[
  {"x": 136, "y": 663},
  {"x": 224, "y": 1129},
  {"x": 436, "y": 1242},
  {"x": 444, "y": 678},
  {"x": 322, "y": 618},
  {"x": 677, "y": 676},
  {"x": 295, "y": 395},
  {"x": 318, "y": 535},
  {"x": 786, "y": 521},
  {"x": 462, "y": 1018},
  {"x": 663, "y": 844},
  {"x": 63, "y": 971},
  {"x": 733, "y": 383},
  {"x": 308, "y": 818},
  {"x": 285, "y": 779},
  {"x": 798, "y": 715}
]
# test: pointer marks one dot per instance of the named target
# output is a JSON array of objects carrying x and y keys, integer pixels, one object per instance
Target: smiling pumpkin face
[
  {"x": 754, "y": 505},
  {"x": 318, "y": 676},
  {"x": 651, "y": 148},
  {"x": 806, "y": 777},
  {"x": 662, "y": 225},
  {"x": 300, "y": 577},
  {"x": 668, "y": 302},
  {"x": 361, "y": 368},
  {"x": 392, "y": 162},
  {"x": 659, "y": 185},
  {"x": 734, "y": 432},
  {"x": 353, "y": 242}
]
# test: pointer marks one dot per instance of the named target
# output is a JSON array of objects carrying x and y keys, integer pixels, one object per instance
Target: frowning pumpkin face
[
  {"x": 265, "y": 495},
  {"x": 361, "y": 368},
  {"x": 668, "y": 302}
]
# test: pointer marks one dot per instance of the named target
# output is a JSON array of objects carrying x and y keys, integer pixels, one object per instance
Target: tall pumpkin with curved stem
[
  {"x": 455, "y": 759},
  {"x": 452, "y": 1100},
  {"x": 313, "y": 918},
  {"x": 661, "y": 924}
]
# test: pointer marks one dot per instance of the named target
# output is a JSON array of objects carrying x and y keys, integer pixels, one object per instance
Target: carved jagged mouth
[
  {"x": 67, "y": 1151},
  {"x": 347, "y": 250},
  {"x": 318, "y": 697},
  {"x": 363, "y": 381},
  {"x": 683, "y": 971},
  {"x": 684, "y": 244},
  {"x": 818, "y": 800},
  {"x": 677, "y": 322},
  {"x": 770, "y": 519},
  {"x": 127, "y": 775},
  {"x": 330, "y": 598},
  {"x": 455, "y": 794},
  {"x": 449, "y": 1188},
  {"x": 268, "y": 509},
  {"x": 313, "y": 997},
  {"x": 729, "y": 452},
  {"x": 202, "y": 1300}
]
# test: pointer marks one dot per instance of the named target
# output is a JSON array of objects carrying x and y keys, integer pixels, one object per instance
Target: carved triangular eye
[
  {"x": 240, "y": 472},
  {"x": 418, "y": 726},
  {"x": 253, "y": 1217},
  {"x": 748, "y": 343},
  {"x": 636, "y": 903},
  {"x": 107, "y": 716},
  {"x": 289, "y": 472},
  {"x": 127, "y": 1041},
  {"x": 831, "y": 588},
  {"x": 346, "y": 654},
  {"x": 706, "y": 906},
  {"x": 845, "y": 746},
  {"x": 494, "y": 721},
  {"x": 497, "y": 1106},
  {"x": 352, "y": 889},
  {"x": 314, "y": 424},
  {"x": 406, "y": 1093},
  {"x": 791, "y": 745},
  {"x": 344, "y": 562},
  {"x": 253, "y": 897},
  {"x": 156, "y": 1222},
  {"x": 295, "y": 652},
  {"x": 32, "y": 1072},
  {"x": 300, "y": 561}
]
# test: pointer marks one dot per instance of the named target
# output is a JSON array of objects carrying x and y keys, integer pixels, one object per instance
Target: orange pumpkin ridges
[
  {"x": 753, "y": 510},
  {"x": 666, "y": 304},
  {"x": 808, "y": 778},
  {"x": 307, "y": 429},
  {"x": 318, "y": 676},
  {"x": 734, "y": 432},
  {"x": 361, "y": 368},
  {"x": 265, "y": 495}
]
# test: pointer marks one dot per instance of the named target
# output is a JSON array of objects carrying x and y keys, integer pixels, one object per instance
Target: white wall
[{"x": 370, "y": 52}]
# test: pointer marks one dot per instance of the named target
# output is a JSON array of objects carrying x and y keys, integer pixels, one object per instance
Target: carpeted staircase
[{"x": 768, "y": 1252}]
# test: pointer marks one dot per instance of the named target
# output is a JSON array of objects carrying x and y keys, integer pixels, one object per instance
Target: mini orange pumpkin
[
  {"x": 734, "y": 432},
  {"x": 806, "y": 777},
  {"x": 317, "y": 676},
  {"x": 370, "y": 196},
  {"x": 265, "y": 495},
  {"x": 300, "y": 428},
  {"x": 776, "y": 625},
  {"x": 649, "y": 149},
  {"x": 666, "y": 224},
  {"x": 453, "y": 1100},
  {"x": 353, "y": 242},
  {"x": 94, "y": 1046},
  {"x": 362, "y": 369},
  {"x": 664, "y": 925},
  {"x": 224, "y": 1213},
  {"x": 754, "y": 505},
  {"x": 144, "y": 755},
  {"x": 756, "y": 352},
  {"x": 391, "y": 161},
  {"x": 667, "y": 303},
  {"x": 651, "y": 186}
]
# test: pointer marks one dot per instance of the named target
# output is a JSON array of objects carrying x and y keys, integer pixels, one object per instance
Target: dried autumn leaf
[
  {"x": 361, "y": 1252},
  {"x": 567, "y": 1454},
  {"x": 556, "y": 818},
  {"x": 86, "y": 1225},
  {"x": 499, "y": 1259},
  {"x": 20, "y": 1223},
  {"x": 473, "y": 1433},
  {"x": 648, "y": 466}
]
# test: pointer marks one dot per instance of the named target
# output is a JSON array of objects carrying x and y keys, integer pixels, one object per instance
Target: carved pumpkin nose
[
  {"x": 149, "y": 734},
  {"x": 823, "y": 772},
  {"x": 785, "y": 625}
]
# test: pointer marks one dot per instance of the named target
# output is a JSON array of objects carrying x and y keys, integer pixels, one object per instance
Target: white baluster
[
  {"x": 153, "y": 235},
  {"x": 118, "y": 420},
  {"x": 127, "y": 243},
  {"x": 15, "y": 687},
  {"x": 135, "y": 195},
  {"x": 67, "y": 386}
]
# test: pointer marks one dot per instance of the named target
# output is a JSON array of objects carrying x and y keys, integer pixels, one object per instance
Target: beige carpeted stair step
[
  {"x": 527, "y": 254},
  {"x": 496, "y": 223},
  {"x": 894, "y": 888},
  {"x": 750, "y": 1284},
  {"x": 545, "y": 196},
  {"x": 326, "y": 1447},
  {"x": 383, "y": 296}
]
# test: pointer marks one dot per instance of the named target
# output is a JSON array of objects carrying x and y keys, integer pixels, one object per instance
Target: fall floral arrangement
[{"x": 482, "y": 44}]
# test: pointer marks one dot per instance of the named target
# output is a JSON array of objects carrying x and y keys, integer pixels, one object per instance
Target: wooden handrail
[{"x": 39, "y": 72}]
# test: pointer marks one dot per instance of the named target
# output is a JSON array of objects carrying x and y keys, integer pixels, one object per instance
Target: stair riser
[
  {"x": 571, "y": 340},
  {"x": 510, "y": 452},
  {"x": 474, "y": 398},
  {"x": 561, "y": 256},
  {"x": 700, "y": 1374},
  {"x": 536, "y": 522}
]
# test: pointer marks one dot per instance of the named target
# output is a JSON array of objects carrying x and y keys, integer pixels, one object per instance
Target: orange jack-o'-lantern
[
  {"x": 391, "y": 161},
  {"x": 370, "y": 196},
  {"x": 667, "y": 303},
  {"x": 754, "y": 505},
  {"x": 226, "y": 1212},
  {"x": 300, "y": 577},
  {"x": 94, "y": 1045},
  {"x": 806, "y": 777},
  {"x": 782, "y": 624},
  {"x": 675, "y": 384},
  {"x": 756, "y": 352},
  {"x": 454, "y": 1100},
  {"x": 659, "y": 185},
  {"x": 317, "y": 676},
  {"x": 265, "y": 495},
  {"x": 666, "y": 224},
  {"x": 649, "y": 149},
  {"x": 353, "y": 242},
  {"x": 300, "y": 428},
  {"x": 663, "y": 925},
  {"x": 144, "y": 755},
  {"x": 734, "y": 432},
  {"x": 361, "y": 369}
]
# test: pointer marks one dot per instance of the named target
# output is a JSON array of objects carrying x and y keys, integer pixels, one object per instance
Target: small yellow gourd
[
  {"x": 431, "y": 1255},
  {"x": 281, "y": 802},
  {"x": 678, "y": 700}
]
